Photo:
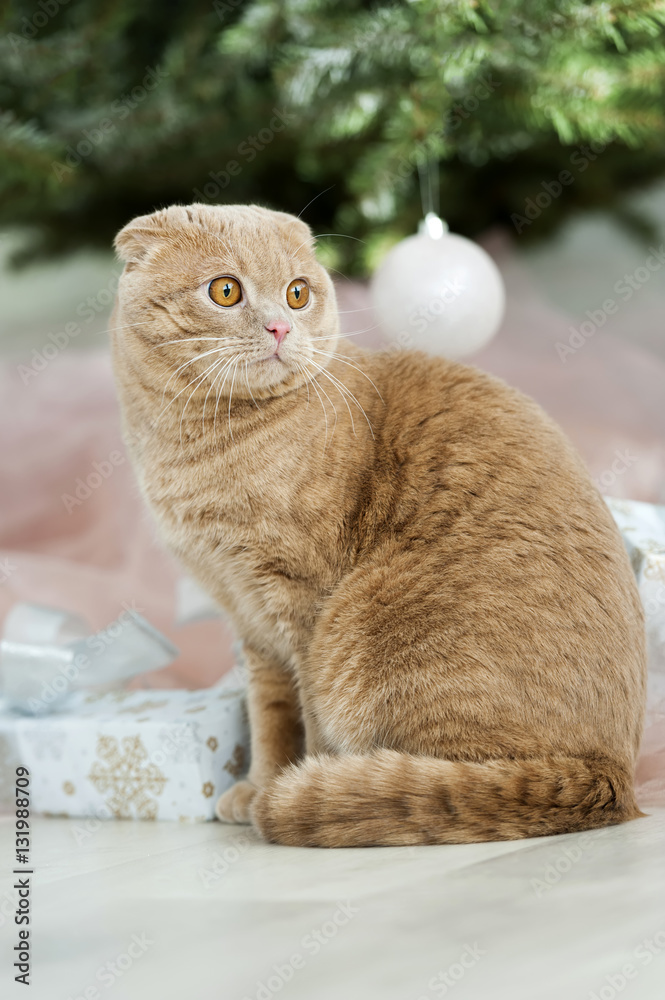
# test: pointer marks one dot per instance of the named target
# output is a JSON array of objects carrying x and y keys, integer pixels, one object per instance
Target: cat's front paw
[{"x": 233, "y": 805}]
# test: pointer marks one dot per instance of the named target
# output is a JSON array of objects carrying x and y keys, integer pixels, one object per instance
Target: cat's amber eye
[
  {"x": 225, "y": 291},
  {"x": 297, "y": 294}
]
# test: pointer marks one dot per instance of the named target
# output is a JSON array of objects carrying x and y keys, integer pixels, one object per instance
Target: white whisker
[
  {"x": 196, "y": 379},
  {"x": 203, "y": 416},
  {"x": 357, "y": 333},
  {"x": 325, "y": 412},
  {"x": 354, "y": 333},
  {"x": 186, "y": 364},
  {"x": 338, "y": 357},
  {"x": 187, "y": 340},
  {"x": 311, "y": 202},
  {"x": 189, "y": 399},
  {"x": 130, "y": 326},
  {"x": 320, "y": 236},
  {"x": 340, "y": 391},
  {"x": 337, "y": 271},
  {"x": 322, "y": 371},
  {"x": 223, "y": 372},
  {"x": 301, "y": 369},
  {"x": 219, "y": 391},
  {"x": 233, "y": 378},
  {"x": 250, "y": 388},
  {"x": 341, "y": 336},
  {"x": 346, "y": 312},
  {"x": 325, "y": 417},
  {"x": 344, "y": 391}
]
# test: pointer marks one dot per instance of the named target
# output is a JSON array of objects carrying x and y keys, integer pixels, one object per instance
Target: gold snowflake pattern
[
  {"x": 655, "y": 564},
  {"x": 145, "y": 706},
  {"x": 208, "y": 789},
  {"x": 116, "y": 696},
  {"x": 236, "y": 761},
  {"x": 212, "y": 743},
  {"x": 126, "y": 776},
  {"x": 68, "y": 788}
]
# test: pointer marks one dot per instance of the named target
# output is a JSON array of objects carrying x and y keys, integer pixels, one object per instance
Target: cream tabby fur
[{"x": 442, "y": 630}]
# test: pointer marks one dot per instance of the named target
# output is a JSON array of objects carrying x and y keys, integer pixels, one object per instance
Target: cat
[{"x": 442, "y": 631}]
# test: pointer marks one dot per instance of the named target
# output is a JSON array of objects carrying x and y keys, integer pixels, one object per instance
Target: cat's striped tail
[{"x": 390, "y": 798}]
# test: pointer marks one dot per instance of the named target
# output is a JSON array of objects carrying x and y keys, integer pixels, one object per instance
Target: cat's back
[
  {"x": 499, "y": 542},
  {"x": 475, "y": 476},
  {"x": 471, "y": 443}
]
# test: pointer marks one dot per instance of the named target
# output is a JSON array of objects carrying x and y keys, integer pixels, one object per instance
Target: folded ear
[
  {"x": 141, "y": 235},
  {"x": 297, "y": 231}
]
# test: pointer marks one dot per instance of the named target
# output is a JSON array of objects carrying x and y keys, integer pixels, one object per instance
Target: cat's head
[{"x": 232, "y": 295}]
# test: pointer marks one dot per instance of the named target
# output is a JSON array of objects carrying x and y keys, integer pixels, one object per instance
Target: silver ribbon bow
[{"x": 46, "y": 654}]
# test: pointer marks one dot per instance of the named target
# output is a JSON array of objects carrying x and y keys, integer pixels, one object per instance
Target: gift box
[
  {"x": 148, "y": 754},
  {"x": 642, "y": 527}
]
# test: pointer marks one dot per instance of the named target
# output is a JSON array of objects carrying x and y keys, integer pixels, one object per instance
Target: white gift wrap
[
  {"x": 149, "y": 754},
  {"x": 642, "y": 527}
]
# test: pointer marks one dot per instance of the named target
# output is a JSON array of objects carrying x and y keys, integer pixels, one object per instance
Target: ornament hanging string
[
  {"x": 428, "y": 175},
  {"x": 430, "y": 198}
]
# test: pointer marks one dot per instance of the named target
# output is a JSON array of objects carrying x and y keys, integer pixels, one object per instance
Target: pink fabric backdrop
[{"x": 103, "y": 552}]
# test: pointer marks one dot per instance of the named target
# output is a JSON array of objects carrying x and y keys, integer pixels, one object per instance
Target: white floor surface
[{"x": 130, "y": 910}]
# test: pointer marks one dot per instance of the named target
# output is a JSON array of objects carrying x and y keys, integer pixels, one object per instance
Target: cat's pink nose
[{"x": 279, "y": 329}]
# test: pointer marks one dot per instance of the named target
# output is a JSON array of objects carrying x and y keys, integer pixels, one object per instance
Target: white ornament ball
[{"x": 438, "y": 292}]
